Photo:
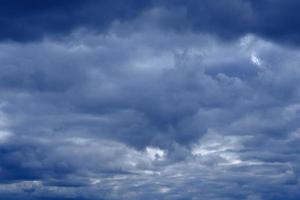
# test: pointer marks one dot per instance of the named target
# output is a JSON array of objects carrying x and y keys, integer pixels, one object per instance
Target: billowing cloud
[
  {"x": 149, "y": 116},
  {"x": 199, "y": 105}
]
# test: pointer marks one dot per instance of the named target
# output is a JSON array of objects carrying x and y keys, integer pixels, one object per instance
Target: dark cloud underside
[
  {"x": 149, "y": 100},
  {"x": 229, "y": 19}
]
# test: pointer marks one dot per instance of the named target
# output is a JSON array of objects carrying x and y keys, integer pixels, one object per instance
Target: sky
[{"x": 150, "y": 99}]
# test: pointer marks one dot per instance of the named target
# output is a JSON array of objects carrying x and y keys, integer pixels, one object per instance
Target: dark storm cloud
[
  {"x": 177, "y": 116},
  {"x": 33, "y": 20},
  {"x": 158, "y": 107},
  {"x": 229, "y": 19}
]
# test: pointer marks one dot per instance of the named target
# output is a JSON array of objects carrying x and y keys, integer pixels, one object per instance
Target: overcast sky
[{"x": 150, "y": 100}]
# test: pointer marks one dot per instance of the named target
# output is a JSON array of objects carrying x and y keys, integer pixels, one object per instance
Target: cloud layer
[
  {"x": 229, "y": 19},
  {"x": 151, "y": 100}
]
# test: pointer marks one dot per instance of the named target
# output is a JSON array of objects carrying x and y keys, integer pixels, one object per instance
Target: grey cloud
[
  {"x": 83, "y": 112},
  {"x": 228, "y": 19}
]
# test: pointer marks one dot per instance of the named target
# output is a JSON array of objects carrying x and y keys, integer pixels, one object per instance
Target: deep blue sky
[{"x": 149, "y": 99}]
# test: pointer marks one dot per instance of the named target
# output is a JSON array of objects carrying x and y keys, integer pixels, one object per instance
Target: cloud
[
  {"x": 228, "y": 19},
  {"x": 150, "y": 115},
  {"x": 34, "y": 20}
]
